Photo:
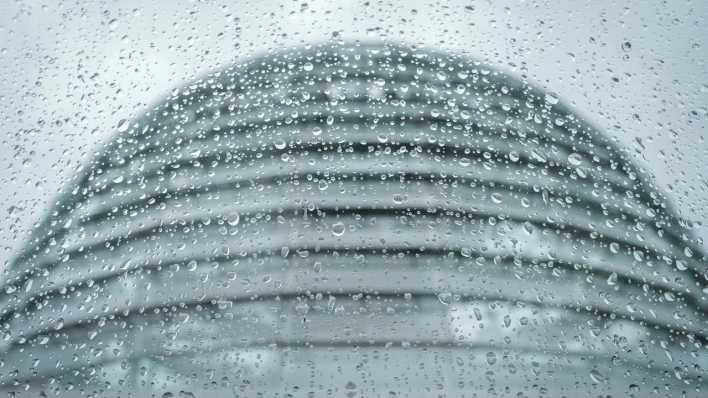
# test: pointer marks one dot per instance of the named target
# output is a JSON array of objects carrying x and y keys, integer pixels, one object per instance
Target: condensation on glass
[{"x": 357, "y": 220}]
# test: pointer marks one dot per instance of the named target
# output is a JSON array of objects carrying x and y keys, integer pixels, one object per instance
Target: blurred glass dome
[{"x": 357, "y": 219}]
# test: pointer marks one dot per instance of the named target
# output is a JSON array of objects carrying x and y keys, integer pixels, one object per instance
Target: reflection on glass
[{"x": 357, "y": 220}]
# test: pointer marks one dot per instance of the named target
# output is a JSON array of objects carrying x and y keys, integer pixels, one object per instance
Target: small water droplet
[
  {"x": 596, "y": 376},
  {"x": 575, "y": 159},
  {"x": 638, "y": 255},
  {"x": 614, "y": 247},
  {"x": 445, "y": 298},
  {"x": 612, "y": 279},
  {"x": 688, "y": 252},
  {"x": 280, "y": 144},
  {"x": 551, "y": 98},
  {"x": 668, "y": 296},
  {"x": 338, "y": 229},
  {"x": 59, "y": 324},
  {"x": 123, "y": 125},
  {"x": 491, "y": 358}
]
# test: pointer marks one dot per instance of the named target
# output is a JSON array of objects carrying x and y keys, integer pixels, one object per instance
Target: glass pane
[{"x": 353, "y": 199}]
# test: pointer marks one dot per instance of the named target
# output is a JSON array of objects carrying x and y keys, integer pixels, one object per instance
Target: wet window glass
[{"x": 353, "y": 199}]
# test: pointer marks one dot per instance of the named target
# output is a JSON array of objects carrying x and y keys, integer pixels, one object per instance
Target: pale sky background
[{"x": 71, "y": 70}]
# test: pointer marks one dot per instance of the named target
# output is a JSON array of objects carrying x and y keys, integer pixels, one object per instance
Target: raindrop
[
  {"x": 59, "y": 324},
  {"x": 445, "y": 298},
  {"x": 575, "y": 159},
  {"x": 338, "y": 229},
  {"x": 491, "y": 358},
  {"x": 123, "y": 125},
  {"x": 551, "y": 98},
  {"x": 280, "y": 144},
  {"x": 596, "y": 376},
  {"x": 612, "y": 279}
]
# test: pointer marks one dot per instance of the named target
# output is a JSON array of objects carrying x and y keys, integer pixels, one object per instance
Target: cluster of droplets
[{"x": 357, "y": 200}]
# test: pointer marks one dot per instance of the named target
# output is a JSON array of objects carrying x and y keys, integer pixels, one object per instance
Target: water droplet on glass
[
  {"x": 491, "y": 358},
  {"x": 338, "y": 229},
  {"x": 596, "y": 376},
  {"x": 123, "y": 125},
  {"x": 551, "y": 98},
  {"x": 280, "y": 144},
  {"x": 445, "y": 298},
  {"x": 612, "y": 279},
  {"x": 575, "y": 159}
]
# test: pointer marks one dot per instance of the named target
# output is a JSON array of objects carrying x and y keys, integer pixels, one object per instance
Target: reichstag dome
[{"x": 357, "y": 220}]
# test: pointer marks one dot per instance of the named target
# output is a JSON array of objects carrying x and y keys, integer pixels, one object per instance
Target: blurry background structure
[
  {"x": 358, "y": 219},
  {"x": 72, "y": 73}
]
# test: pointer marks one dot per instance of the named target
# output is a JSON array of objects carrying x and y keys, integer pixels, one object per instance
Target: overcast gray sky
[{"x": 70, "y": 71}]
